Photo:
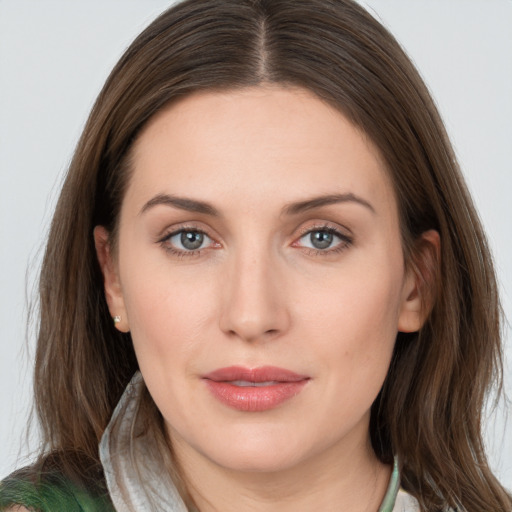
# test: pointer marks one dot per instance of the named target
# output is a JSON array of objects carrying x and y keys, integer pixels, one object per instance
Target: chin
[
  {"x": 257, "y": 451},
  {"x": 262, "y": 461}
]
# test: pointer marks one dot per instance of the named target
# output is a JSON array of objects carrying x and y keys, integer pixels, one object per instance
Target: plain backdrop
[{"x": 54, "y": 58}]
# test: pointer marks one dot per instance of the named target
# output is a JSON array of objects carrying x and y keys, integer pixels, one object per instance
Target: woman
[{"x": 265, "y": 217}]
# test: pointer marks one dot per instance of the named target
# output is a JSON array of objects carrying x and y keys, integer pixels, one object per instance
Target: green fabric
[{"x": 52, "y": 494}]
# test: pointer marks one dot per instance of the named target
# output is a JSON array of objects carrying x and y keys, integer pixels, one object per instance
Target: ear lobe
[
  {"x": 420, "y": 283},
  {"x": 113, "y": 290}
]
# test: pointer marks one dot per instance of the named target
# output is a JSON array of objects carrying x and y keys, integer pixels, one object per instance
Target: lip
[{"x": 267, "y": 386}]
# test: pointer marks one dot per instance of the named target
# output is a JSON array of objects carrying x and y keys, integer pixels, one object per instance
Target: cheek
[
  {"x": 169, "y": 321},
  {"x": 168, "y": 312},
  {"x": 354, "y": 317}
]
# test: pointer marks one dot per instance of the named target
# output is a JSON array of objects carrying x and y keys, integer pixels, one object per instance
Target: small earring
[{"x": 116, "y": 319}]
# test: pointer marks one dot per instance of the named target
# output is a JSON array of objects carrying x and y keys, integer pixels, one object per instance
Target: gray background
[{"x": 54, "y": 57}]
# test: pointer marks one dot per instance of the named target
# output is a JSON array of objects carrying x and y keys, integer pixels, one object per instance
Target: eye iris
[
  {"x": 321, "y": 239},
  {"x": 191, "y": 240}
]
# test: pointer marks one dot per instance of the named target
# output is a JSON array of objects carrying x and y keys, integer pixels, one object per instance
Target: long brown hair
[{"x": 430, "y": 408}]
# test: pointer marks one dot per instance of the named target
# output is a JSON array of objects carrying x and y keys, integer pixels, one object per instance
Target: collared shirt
[{"x": 135, "y": 472}]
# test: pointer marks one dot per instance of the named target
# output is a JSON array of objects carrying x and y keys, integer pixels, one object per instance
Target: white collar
[{"x": 132, "y": 461}]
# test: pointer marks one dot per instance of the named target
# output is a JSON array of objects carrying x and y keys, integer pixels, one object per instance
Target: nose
[{"x": 254, "y": 306}]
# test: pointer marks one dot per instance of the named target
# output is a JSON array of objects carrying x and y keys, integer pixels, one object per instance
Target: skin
[{"x": 259, "y": 293}]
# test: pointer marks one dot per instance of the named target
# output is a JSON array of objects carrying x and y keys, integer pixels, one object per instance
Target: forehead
[{"x": 263, "y": 144}]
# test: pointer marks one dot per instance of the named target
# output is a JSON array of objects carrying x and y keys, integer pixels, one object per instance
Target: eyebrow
[
  {"x": 317, "y": 202},
  {"x": 194, "y": 205},
  {"x": 183, "y": 203}
]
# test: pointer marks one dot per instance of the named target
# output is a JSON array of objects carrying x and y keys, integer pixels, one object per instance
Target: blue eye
[
  {"x": 187, "y": 240},
  {"x": 190, "y": 242},
  {"x": 324, "y": 240},
  {"x": 321, "y": 239}
]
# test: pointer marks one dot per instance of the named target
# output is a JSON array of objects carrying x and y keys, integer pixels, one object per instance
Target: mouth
[
  {"x": 256, "y": 389},
  {"x": 246, "y": 383}
]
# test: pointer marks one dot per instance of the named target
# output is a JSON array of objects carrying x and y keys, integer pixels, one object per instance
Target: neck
[{"x": 337, "y": 479}]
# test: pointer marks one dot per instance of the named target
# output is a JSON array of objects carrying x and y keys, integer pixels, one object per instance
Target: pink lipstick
[{"x": 254, "y": 390}]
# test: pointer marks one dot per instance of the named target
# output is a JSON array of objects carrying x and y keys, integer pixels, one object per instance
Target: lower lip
[{"x": 254, "y": 399}]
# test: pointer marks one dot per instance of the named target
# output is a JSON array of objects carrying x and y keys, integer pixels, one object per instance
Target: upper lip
[{"x": 260, "y": 374}]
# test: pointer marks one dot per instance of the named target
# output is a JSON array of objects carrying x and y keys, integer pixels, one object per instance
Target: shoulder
[{"x": 31, "y": 489}]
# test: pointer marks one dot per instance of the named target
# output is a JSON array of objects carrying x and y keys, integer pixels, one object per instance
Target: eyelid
[
  {"x": 342, "y": 232},
  {"x": 186, "y": 226},
  {"x": 326, "y": 225}
]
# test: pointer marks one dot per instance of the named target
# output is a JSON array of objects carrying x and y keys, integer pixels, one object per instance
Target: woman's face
[{"x": 261, "y": 275}]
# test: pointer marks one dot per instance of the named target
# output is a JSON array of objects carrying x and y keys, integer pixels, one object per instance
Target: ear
[
  {"x": 109, "y": 269},
  {"x": 420, "y": 283}
]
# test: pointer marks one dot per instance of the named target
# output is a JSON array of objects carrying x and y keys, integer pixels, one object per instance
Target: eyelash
[
  {"x": 346, "y": 241},
  {"x": 177, "y": 252}
]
